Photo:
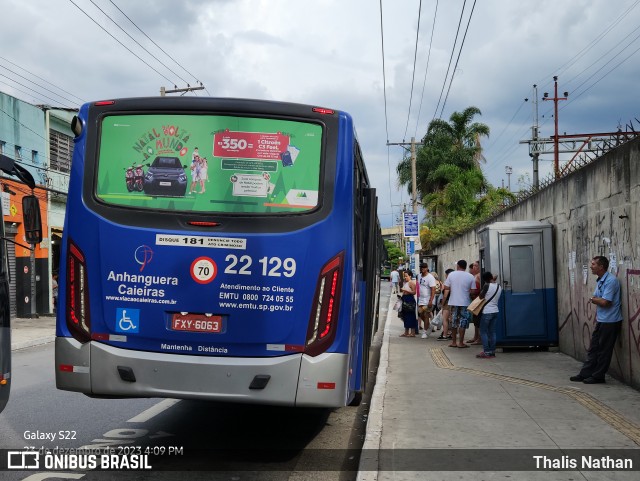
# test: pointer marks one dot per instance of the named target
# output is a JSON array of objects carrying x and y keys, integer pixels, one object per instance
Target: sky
[{"x": 330, "y": 53}]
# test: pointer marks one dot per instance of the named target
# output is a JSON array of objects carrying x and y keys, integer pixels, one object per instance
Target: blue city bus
[{"x": 217, "y": 249}]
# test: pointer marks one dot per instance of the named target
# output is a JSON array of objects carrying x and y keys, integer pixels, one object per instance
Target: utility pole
[
  {"x": 414, "y": 188},
  {"x": 164, "y": 91},
  {"x": 534, "y": 135},
  {"x": 555, "y": 98},
  {"x": 414, "y": 182}
]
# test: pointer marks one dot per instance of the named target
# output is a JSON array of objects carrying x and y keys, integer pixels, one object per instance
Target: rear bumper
[{"x": 295, "y": 380}]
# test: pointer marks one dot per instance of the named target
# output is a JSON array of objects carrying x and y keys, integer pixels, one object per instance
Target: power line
[
  {"x": 40, "y": 154},
  {"x": 495, "y": 140},
  {"x": 591, "y": 44},
  {"x": 424, "y": 81},
  {"x": 161, "y": 49},
  {"x": 413, "y": 76},
  {"x": 35, "y": 83},
  {"x": 26, "y": 127},
  {"x": 138, "y": 43},
  {"x": 611, "y": 59},
  {"x": 46, "y": 81},
  {"x": 43, "y": 154},
  {"x": 24, "y": 91},
  {"x": 384, "y": 77},
  {"x": 567, "y": 66},
  {"x": 598, "y": 81},
  {"x": 130, "y": 51},
  {"x": 457, "y": 59},
  {"x": 450, "y": 59},
  {"x": 384, "y": 90}
]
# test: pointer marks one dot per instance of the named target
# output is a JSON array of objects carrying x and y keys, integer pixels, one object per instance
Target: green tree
[
  {"x": 393, "y": 252},
  {"x": 446, "y": 145},
  {"x": 450, "y": 181}
]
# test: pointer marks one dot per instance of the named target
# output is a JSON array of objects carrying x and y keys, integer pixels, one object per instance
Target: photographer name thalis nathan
[{"x": 583, "y": 462}]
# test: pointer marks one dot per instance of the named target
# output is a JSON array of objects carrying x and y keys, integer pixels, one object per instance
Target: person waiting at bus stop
[
  {"x": 409, "y": 317},
  {"x": 395, "y": 279},
  {"x": 606, "y": 297},
  {"x": 426, "y": 286},
  {"x": 461, "y": 285}
]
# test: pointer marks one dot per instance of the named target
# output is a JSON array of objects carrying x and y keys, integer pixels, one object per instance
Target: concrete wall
[{"x": 594, "y": 211}]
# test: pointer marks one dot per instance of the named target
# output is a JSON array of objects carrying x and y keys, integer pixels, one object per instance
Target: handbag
[
  {"x": 478, "y": 304},
  {"x": 436, "y": 322},
  {"x": 408, "y": 306}
]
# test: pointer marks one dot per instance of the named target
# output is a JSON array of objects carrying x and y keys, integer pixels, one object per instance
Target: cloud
[{"x": 329, "y": 52}]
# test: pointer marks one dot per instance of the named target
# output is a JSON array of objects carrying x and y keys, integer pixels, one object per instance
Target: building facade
[{"x": 39, "y": 138}]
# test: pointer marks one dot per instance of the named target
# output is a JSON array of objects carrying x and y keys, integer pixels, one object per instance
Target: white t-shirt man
[
  {"x": 427, "y": 283},
  {"x": 460, "y": 283}
]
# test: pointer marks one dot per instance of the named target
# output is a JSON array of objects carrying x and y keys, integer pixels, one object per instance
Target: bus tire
[{"x": 357, "y": 399}]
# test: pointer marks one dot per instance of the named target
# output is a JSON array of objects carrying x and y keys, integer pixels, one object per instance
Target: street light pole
[{"x": 508, "y": 170}]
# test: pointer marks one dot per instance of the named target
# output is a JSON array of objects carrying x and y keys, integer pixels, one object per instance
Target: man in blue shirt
[{"x": 606, "y": 297}]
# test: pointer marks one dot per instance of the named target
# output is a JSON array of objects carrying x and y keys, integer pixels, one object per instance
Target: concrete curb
[
  {"x": 32, "y": 342},
  {"x": 373, "y": 436}
]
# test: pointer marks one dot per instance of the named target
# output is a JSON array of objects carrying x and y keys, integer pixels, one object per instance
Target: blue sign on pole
[
  {"x": 412, "y": 259},
  {"x": 410, "y": 224}
]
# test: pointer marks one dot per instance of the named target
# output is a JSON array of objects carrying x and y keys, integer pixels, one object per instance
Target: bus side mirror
[{"x": 31, "y": 218}]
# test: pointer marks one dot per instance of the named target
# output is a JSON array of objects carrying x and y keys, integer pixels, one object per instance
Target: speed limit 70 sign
[{"x": 203, "y": 270}]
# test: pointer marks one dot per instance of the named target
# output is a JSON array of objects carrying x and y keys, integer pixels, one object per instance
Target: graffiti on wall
[
  {"x": 607, "y": 233},
  {"x": 633, "y": 314}
]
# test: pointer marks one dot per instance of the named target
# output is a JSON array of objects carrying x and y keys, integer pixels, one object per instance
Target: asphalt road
[{"x": 210, "y": 440}]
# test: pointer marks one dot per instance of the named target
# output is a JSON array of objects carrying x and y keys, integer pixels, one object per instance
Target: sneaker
[
  {"x": 425, "y": 335},
  {"x": 484, "y": 355},
  {"x": 577, "y": 378},
  {"x": 444, "y": 338}
]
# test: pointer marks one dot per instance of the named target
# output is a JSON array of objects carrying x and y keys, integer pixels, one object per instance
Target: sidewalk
[
  {"x": 440, "y": 413},
  {"x": 32, "y": 332}
]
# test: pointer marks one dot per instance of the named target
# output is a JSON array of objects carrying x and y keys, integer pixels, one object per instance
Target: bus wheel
[{"x": 357, "y": 399}]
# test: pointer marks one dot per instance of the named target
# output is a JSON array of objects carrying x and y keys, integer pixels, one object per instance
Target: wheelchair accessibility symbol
[{"x": 127, "y": 320}]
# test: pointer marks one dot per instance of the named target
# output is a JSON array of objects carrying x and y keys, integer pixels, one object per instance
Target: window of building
[
  {"x": 61, "y": 151},
  {"x": 18, "y": 156}
]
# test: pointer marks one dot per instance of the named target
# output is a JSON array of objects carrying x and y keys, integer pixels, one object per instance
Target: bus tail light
[
  {"x": 322, "y": 110},
  {"x": 77, "y": 312},
  {"x": 326, "y": 303}
]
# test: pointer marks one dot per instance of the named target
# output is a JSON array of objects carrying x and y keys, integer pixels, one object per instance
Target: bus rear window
[{"x": 207, "y": 163}]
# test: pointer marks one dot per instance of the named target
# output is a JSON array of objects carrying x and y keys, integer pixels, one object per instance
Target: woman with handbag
[
  {"x": 409, "y": 306},
  {"x": 489, "y": 315}
]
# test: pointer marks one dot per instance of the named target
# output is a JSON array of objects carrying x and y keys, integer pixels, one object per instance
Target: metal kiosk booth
[{"x": 521, "y": 254}]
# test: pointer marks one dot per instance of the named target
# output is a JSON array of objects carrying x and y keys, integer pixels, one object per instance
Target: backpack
[{"x": 438, "y": 288}]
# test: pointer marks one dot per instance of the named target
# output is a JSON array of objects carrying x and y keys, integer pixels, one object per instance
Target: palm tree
[
  {"x": 456, "y": 143},
  {"x": 463, "y": 135}
]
